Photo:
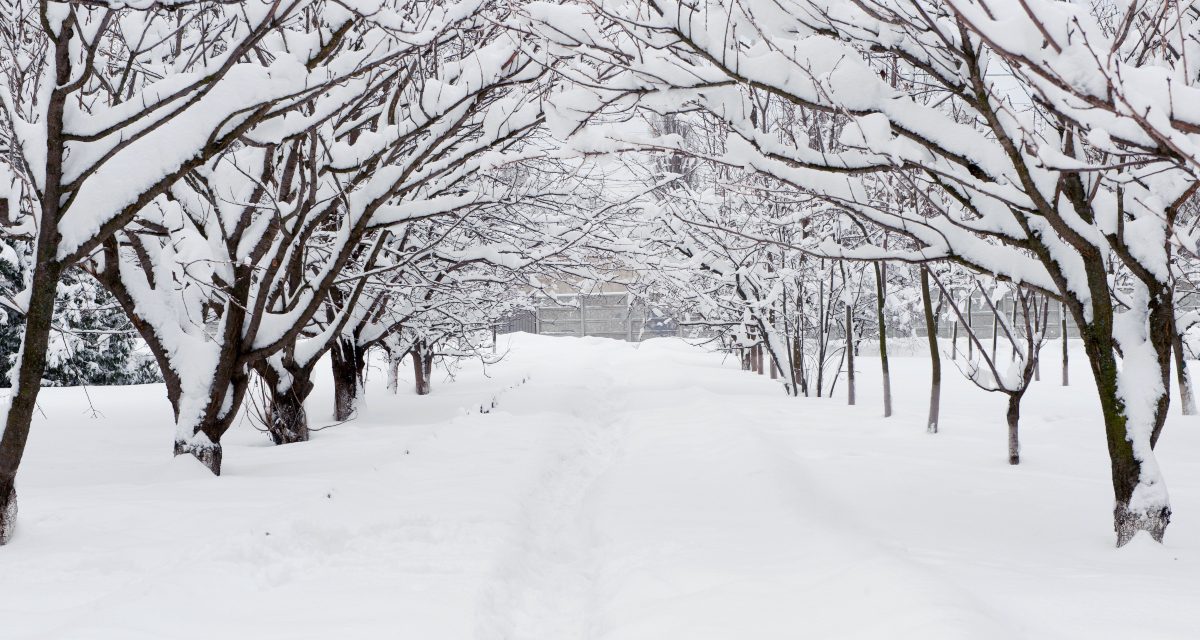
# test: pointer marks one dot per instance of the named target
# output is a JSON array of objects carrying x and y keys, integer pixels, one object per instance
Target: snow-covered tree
[
  {"x": 107, "y": 108},
  {"x": 1057, "y": 190}
]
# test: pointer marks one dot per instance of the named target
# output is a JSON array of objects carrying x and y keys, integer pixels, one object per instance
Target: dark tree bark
[
  {"x": 1014, "y": 419},
  {"x": 970, "y": 327},
  {"x": 1096, "y": 333},
  {"x": 883, "y": 352},
  {"x": 1187, "y": 399},
  {"x": 995, "y": 331},
  {"x": 849, "y": 355},
  {"x": 287, "y": 420},
  {"x": 349, "y": 363},
  {"x": 229, "y": 377},
  {"x": 393, "y": 381},
  {"x": 935, "y": 359},
  {"x": 47, "y": 268},
  {"x": 954, "y": 342},
  {"x": 8, "y": 514},
  {"x": 422, "y": 360},
  {"x": 800, "y": 338},
  {"x": 31, "y": 366},
  {"x": 1066, "y": 371},
  {"x": 798, "y": 359}
]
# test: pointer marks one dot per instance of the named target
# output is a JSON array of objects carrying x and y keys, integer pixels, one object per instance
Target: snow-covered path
[
  {"x": 670, "y": 517},
  {"x": 611, "y": 491}
]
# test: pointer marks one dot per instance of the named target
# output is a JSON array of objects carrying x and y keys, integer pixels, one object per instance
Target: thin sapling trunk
[{"x": 935, "y": 359}]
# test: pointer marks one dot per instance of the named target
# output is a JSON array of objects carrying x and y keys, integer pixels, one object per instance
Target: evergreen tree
[{"x": 92, "y": 343}]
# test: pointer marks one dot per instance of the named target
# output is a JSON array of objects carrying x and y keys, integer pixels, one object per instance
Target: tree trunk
[
  {"x": 1128, "y": 518},
  {"x": 288, "y": 421},
  {"x": 822, "y": 336},
  {"x": 954, "y": 342},
  {"x": 1013, "y": 320},
  {"x": 995, "y": 329},
  {"x": 1066, "y": 371},
  {"x": 798, "y": 359},
  {"x": 970, "y": 328},
  {"x": 30, "y": 365},
  {"x": 349, "y": 361},
  {"x": 1140, "y": 497},
  {"x": 1014, "y": 417},
  {"x": 8, "y": 514},
  {"x": 428, "y": 365},
  {"x": 849, "y": 356},
  {"x": 935, "y": 359},
  {"x": 422, "y": 359},
  {"x": 206, "y": 451},
  {"x": 393, "y": 372},
  {"x": 1187, "y": 401},
  {"x": 801, "y": 338},
  {"x": 883, "y": 352}
]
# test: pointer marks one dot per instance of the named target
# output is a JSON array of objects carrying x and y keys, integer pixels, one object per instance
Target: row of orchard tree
[
  {"x": 1046, "y": 144},
  {"x": 256, "y": 185},
  {"x": 259, "y": 184}
]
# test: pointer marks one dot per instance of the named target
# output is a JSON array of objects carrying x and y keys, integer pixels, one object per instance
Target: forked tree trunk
[
  {"x": 287, "y": 420},
  {"x": 200, "y": 435},
  {"x": 883, "y": 352},
  {"x": 1140, "y": 497},
  {"x": 1128, "y": 518},
  {"x": 935, "y": 359},
  {"x": 1187, "y": 400},
  {"x": 348, "y": 362},
  {"x": 1014, "y": 418}
]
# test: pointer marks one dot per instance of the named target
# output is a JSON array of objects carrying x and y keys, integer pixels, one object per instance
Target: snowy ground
[{"x": 621, "y": 491}]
